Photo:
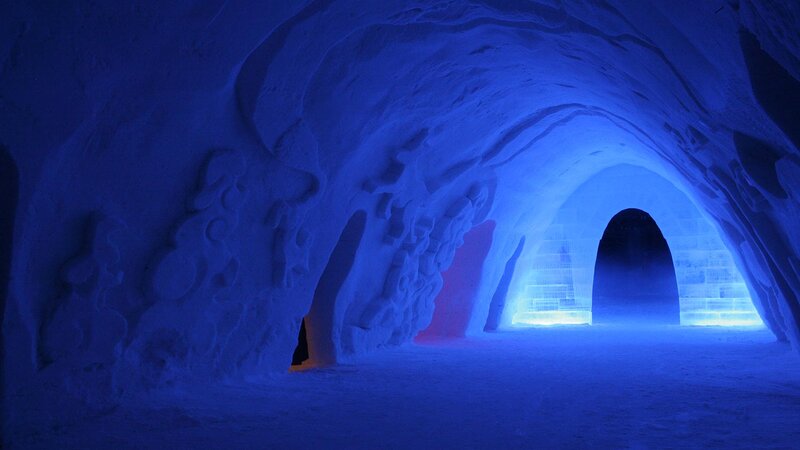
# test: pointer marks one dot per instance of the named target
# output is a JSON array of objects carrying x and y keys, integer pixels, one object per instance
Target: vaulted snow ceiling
[{"x": 212, "y": 155}]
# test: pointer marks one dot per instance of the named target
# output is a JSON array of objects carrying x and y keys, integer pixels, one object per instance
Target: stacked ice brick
[{"x": 554, "y": 281}]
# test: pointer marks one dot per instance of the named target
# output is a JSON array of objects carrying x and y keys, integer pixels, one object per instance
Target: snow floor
[{"x": 562, "y": 387}]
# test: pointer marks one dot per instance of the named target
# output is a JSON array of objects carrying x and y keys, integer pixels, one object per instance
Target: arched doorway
[
  {"x": 634, "y": 278},
  {"x": 320, "y": 329},
  {"x": 553, "y": 283}
]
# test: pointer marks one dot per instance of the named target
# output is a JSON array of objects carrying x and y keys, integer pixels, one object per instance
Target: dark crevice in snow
[
  {"x": 300, "y": 354},
  {"x": 9, "y": 180},
  {"x": 774, "y": 87},
  {"x": 758, "y": 159}
]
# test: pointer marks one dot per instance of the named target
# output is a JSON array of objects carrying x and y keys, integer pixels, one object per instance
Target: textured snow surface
[
  {"x": 581, "y": 387},
  {"x": 196, "y": 177}
]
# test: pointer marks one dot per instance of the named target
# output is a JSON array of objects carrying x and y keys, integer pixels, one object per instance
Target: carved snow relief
[{"x": 199, "y": 254}]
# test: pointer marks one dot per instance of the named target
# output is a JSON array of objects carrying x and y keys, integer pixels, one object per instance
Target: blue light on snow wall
[{"x": 553, "y": 283}]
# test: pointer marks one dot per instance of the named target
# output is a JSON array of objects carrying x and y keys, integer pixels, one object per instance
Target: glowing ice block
[
  {"x": 553, "y": 281},
  {"x": 552, "y": 318}
]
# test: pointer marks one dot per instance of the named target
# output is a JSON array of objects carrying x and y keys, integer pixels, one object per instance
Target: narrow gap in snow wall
[{"x": 9, "y": 179}]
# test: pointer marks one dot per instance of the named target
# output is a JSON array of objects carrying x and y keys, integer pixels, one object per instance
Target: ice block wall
[{"x": 554, "y": 282}]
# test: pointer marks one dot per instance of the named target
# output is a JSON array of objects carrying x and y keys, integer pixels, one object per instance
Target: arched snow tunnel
[
  {"x": 200, "y": 181},
  {"x": 554, "y": 280}
]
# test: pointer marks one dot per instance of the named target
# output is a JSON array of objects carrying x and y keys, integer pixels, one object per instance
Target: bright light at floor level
[
  {"x": 552, "y": 318},
  {"x": 721, "y": 319},
  {"x": 694, "y": 318},
  {"x": 726, "y": 305}
]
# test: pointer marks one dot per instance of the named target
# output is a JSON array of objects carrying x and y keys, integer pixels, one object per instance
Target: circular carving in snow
[
  {"x": 218, "y": 229},
  {"x": 174, "y": 276}
]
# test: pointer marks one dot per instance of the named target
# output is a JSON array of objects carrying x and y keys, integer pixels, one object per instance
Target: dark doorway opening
[
  {"x": 634, "y": 278},
  {"x": 301, "y": 351},
  {"x": 321, "y": 328}
]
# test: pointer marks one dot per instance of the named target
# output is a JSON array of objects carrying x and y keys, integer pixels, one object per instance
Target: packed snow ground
[{"x": 565, "y": 387}]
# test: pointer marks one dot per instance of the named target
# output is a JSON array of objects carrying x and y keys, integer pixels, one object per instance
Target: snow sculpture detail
[
  {"x": 290, "y": 247},
  {"x": 193, "y": 277},
  {"x": 85, "y": 332},
  {"x": 405, "y": 304},
  {"x": 199, "y": 254}
]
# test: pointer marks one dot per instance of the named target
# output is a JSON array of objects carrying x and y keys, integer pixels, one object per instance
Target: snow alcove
[{"x": 555, "y": 278}]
